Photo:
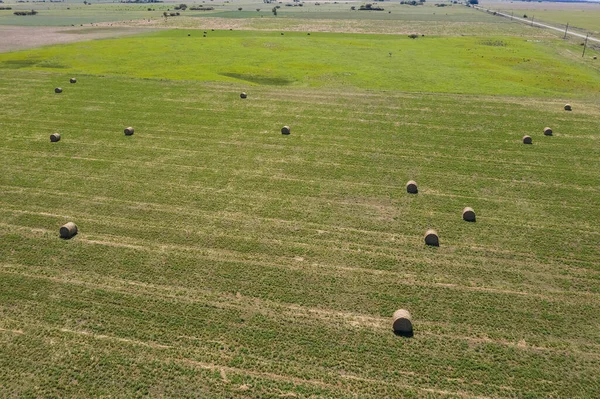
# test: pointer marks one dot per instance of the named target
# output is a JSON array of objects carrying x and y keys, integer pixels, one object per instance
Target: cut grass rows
[
  {"x": 520, "y": 279},
  {"x": 546, "y": 241},
  {"x": 210, "y": 245},
  {"x": 251, "y": 344}
]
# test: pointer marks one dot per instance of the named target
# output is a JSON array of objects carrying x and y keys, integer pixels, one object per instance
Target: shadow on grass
[{"x": 259, "y": 79}]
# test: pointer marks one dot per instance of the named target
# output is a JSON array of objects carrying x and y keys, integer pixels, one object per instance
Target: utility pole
[
  {"x": 566, "y": 29},
  {"x": 585, "y": 44}
]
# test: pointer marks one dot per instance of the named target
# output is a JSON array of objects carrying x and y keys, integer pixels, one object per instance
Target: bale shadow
[{"x": 68, "y": 237}]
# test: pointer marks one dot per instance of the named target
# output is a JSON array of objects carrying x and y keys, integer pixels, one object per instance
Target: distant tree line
[
  {"x": 21, "y": 13},
  {"x": 370, "y": 7},
  {"x": 141, "y": 1}
]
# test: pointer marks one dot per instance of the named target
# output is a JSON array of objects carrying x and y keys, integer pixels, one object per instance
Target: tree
[{"x": 274, "y": 11}]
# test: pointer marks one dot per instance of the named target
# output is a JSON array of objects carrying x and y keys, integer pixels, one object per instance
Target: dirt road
[{"x": 537, "y": 24}]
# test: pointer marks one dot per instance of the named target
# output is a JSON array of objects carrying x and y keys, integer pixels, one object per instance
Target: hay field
[{"x": 218, "y": 258}]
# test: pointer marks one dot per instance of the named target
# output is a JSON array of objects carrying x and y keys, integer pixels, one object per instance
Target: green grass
[
  {"x": 584, "y": 16},
  {"x": 67, "y": 14},
  {"x": 217, "y": 258},
  {"x": 474, "y": 65}
]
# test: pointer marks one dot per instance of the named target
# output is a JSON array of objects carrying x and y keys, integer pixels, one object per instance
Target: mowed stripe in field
[
  {"x": 217, "y": 256},
  {"x": 297, "y": 345},
  {"x": 381, "y": 250}
]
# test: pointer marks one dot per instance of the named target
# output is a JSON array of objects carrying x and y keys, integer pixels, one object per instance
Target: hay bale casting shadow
[
  {"x": 411, "y": 187},
  {"x": 128, "y": 131},
  {"x": 54, "y": 137},
  {"x": 568, "y": 107},
  {"x": 58, "y": 90},
  {"x": 285, "y": 130},
  {"x": 68, "y": 230},
  {"x": 243, "y": 95},
  {"x": 402, "y": 324},
  {"x": 431, "y": 238},
  {"x": 72, "y": 80},
  {"x": 468, "y": 214},
  {"x": 527, "y": 140},
  {"x": 547, "y": 131}
]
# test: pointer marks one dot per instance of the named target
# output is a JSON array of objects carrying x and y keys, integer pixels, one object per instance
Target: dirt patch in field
[{"x": 24, "y": 37}]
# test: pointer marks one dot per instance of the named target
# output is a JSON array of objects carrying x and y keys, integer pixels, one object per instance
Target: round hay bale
[
  {"x": 431, "y": 238},
  {"x": 281, "y": 33},
  {"x": 128, "y": 131},
  {"x": 568, "y": 107},
  {"x": 468, "y": 214},
  {"x": 527, "y": 140},
  {"x": 68, "y": 230},
  {"x": 547, "y": 131},
  {"x": 203, "y": 35},
  {"x": 411, "y": 187},
  {"x": 54, "y": 137},
  {"x": 205, "y": 32},
  {"x": 308, "y": 33},
  {"x": 72, "y": 80},
  {"x": 595, "y": 57},
  {"x": 58, "y": 90},
  {"x": 285, "y": 130},
  {"x": 243, "y": 95},
  {"x": 402, "y": 322},
  {"x": 189, "y": 34}
]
